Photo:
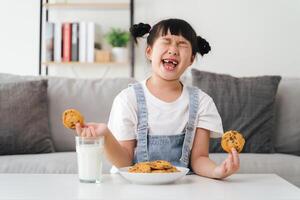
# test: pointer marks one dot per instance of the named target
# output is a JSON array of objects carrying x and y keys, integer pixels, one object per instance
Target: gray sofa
[{"x": 94, "y": 99}]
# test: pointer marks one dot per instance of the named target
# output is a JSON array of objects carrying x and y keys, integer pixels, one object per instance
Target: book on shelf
[
  {"x": 82, "y": 41},
  {"x": 66, "y": 48},
  {"x": 57, "y": 42},
  {"x": 75, "y": 41},
  {"x": 49, "y": 40},
  {"x": 66, "y": 42},
  {"x": 90, "y": 57}
]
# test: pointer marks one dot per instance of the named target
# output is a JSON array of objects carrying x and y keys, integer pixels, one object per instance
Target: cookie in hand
[
  {"x": 232, "y": 139},
  {"x": 70, "y": 117}
]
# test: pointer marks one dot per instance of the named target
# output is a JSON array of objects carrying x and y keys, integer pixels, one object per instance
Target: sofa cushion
[
  {"x": 287, "y": 126},
  {"x": 50, "y": 163},
  {"x": 245, "y": 104},
  {"x": 284, "y": 165},
  {"x": 24, "y": 118},
  {"x": 12, "y": 78},
  {"x": 92, "y": 97},
  {"x": 39, "y": 163}
]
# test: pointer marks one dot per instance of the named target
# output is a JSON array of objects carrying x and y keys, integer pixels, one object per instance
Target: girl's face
[{"x": 170, "y": 55}]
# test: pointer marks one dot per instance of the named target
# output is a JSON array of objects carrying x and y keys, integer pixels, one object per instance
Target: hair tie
[
  {"x": 203, "y": 46},
  {"x": 139, "y": 30}
]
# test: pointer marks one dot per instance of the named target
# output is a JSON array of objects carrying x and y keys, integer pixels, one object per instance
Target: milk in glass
[{"x": 89, "y": 159}]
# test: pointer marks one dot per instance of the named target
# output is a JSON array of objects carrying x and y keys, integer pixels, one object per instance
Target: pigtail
[
  {"x": 139, "y": 30},
  {"x": 203, "y": 46}
]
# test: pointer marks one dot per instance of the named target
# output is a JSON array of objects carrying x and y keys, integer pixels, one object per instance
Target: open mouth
[{"x": 169, "y": 64}]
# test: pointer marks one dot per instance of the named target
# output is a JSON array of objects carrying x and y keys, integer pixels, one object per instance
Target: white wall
[
  {"x": 248, "y": 37},
  {"x": 19, "y": 36}
]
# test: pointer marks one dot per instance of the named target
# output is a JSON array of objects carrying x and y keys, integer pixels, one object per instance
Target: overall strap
[
  {"x": 142, "y": 126},
  {"x": 191, "y": 125}
]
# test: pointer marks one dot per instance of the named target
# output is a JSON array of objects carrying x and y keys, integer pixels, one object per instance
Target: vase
[{"x": 120, "y": 54}]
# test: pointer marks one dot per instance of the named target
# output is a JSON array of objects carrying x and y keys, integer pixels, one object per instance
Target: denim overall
[{"x": 173, "y": 148}]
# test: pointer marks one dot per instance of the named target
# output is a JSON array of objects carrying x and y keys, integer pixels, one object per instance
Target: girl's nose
[{"x": 172, "y": 53}]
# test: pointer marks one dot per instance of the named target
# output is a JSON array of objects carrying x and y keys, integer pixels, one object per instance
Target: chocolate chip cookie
[
  {"x": 232, "y": 139},
  {"x": 156, "y": 166},
  {"x": 70, "y": 117}
]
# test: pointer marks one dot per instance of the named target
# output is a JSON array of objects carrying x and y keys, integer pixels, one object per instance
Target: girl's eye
[
  {"x": 165, "y": 42},
  {"x": 185, "y": 45}
]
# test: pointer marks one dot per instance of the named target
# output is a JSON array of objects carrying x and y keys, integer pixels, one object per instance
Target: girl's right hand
[
  {"x": 229, "y": 166},
  {"x": 91, "y": 130}
]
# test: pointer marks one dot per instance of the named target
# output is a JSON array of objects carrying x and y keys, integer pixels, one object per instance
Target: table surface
[{"x": 67, "y": 186}]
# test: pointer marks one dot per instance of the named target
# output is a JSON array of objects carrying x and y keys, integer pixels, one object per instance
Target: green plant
[{"x": 117, "y": 37}]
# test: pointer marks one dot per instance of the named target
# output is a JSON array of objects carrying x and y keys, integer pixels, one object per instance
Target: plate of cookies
[{"x": 154, "y": 172}]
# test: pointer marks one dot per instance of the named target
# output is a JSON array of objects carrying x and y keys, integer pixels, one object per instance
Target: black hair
[{"x": 176, "y": 27}]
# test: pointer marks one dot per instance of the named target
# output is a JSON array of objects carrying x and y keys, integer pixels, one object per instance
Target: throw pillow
[
  {"x": 92, "y": 97},
  {"x": 245, "y": 104},
  {"x": 24, "y": 124}
]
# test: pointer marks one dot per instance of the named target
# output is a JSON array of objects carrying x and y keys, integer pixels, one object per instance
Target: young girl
[{"x": 160, "y": 118}]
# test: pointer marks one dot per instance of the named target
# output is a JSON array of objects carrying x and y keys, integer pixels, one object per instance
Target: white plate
[{"x": 153, "y": 178}]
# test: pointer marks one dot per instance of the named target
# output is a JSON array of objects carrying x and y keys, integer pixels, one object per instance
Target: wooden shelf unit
[
  {"x": 84, "y": 63},
  {"x": 103, "y": 5},
  {"x": 86, "y": 5}
]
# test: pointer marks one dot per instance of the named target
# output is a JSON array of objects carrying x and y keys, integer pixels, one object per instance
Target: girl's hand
[
  {"x": 228, "y": 166},
  {"x": 91, "y": 129}
]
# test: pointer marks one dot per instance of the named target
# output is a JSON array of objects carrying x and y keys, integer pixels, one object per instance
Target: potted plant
[{"x": 118, "y": 39}]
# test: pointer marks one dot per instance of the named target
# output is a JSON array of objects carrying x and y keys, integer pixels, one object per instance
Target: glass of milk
[{"x": 89, "y": 158}]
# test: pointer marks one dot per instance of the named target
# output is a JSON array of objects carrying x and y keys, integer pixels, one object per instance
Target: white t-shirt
[{"x": 164, "y": 118}]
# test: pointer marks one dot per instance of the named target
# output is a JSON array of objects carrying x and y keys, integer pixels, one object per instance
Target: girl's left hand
[{"x": 228, "y": 166}]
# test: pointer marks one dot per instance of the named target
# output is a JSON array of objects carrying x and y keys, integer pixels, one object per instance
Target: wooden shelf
[
  {"x": 86, "y": 5},
  {"x": 85, "y": 63}
]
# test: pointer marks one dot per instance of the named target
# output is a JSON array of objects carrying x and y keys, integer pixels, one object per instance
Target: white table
[{"x": 67, "y": 186}]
